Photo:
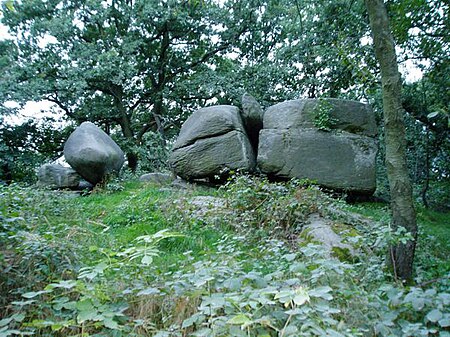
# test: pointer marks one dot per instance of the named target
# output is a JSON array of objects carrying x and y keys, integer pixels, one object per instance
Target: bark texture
[{"x": 403, "y": 213}]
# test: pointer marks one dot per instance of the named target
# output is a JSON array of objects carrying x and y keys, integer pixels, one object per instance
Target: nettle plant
[{"x": 90, "y": 303}]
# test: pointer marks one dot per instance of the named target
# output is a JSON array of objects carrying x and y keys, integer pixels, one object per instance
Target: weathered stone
[
  {"x": 252, "y": 115},
  {"x": 341, "y": 160},
  {"x": 92, "y": 153},
  {"x": 350, "y": 116},
  {"x": 157, "y": 178},
  {"x": 212, "y": 156},
  {"x": 211, "y": 141},
  {"x": 320, "y": 230},
  {"x": 209, "y": 122},
  {"x": 181, "y": 184},
  {"x": 85, "y": 185},
  {"x": 57, "y": 176}
]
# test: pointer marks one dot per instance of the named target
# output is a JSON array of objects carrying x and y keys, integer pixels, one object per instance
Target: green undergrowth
[
  {"x": 433, "y": 248},
  {"x": 135, "y": 259}
]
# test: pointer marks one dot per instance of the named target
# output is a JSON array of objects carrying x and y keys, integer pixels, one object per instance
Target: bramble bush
[{"x": 93, "y": 272}]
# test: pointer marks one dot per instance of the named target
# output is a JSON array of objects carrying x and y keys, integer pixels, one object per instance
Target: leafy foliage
[{"x": 121, "y": 268}]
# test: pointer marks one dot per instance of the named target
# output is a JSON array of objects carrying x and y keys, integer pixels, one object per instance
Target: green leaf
[
  {"x": 147, "y": 260},
  {"x": 301, "y": 296},
  {"x": 322, "y": 292},
  {"x": 290, "y": 257},
  {"x": 86, "y": 311},
  {"x": 69, "y": 284},
  {"x": 301, "y": 299},
  {"x": 10, "y": 5},
  {"x": 434, "y": 315},
  {"x": 433, "y": 114},
  {"x": 5, "y": 321},
  {"x": 19, "y": 317},
  {"x": 88, "y": 315},
  {"x": 85, "y": 305},
  {"x": 33, "y": 294},
  {"x": 149, "y": 291},
  {"x": 188, "y": 322},
  {"x": 418, "y": 303},
  {"x": 240, "y": 319},
  {"x": 110, "y": 323},
  {"x": 445, "y": 322}
]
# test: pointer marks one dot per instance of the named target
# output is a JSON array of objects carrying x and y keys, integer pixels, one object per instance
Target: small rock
[
  {"x": 157, "y": 178},
  {"x": 320, "y": 230},
  {"x": 57, "y": 176}
]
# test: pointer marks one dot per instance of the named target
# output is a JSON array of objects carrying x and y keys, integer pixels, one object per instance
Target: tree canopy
[{"x": 140, "y": 67}]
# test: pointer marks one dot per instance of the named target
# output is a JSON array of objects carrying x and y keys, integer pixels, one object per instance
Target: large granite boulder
[
  {"x": 57, "y": 176},
  {"x": 92, "y": 153},
  {"x": 350, "y": 116},
  {"x": 212, "y": 141},
  {"x": 292, "y": 146},
  {"x": 252, "y": 116}
]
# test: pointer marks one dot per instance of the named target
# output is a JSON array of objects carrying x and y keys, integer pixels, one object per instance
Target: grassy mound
[{"x": 144, "y": 260}]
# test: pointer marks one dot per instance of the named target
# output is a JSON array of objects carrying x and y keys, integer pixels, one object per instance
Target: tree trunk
[
  {"x": 426, "y": 183},
  {"x": 158, "y": 111},
  {"x": 127, "y": 131},
  {"x": 403, "y": 213}
]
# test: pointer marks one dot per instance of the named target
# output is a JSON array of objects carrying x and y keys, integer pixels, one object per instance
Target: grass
[{"x": 244, "y": 250}]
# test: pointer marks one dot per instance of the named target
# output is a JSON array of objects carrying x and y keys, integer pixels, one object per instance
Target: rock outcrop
[
  {"x": 56, "y": 176},
  {"x": 291, "y": 144},
  {"x": 212, "y": 141},
  {"x": 92, "y": 153},
  {"x": 252, "y": 115}
]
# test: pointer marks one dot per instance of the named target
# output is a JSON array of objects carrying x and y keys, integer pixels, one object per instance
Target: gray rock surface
[
  {"x": 157, "y": 178},
  {"x": 341, "y": 161},
  {"x": 209, "y": 122},
  {"x": 92, "y": 153},
  {"x": 319, "y": 229},
  {"x": 350, "y": 116},
  {"x": 85, "y": 185},
  {"x": 252, "y": 116},
  {"x": 211, "y": 141},
  {"x": 212, "y": 156},
  {"x": 57, "y": 176},
  {"x": 292, "y": 146}
]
